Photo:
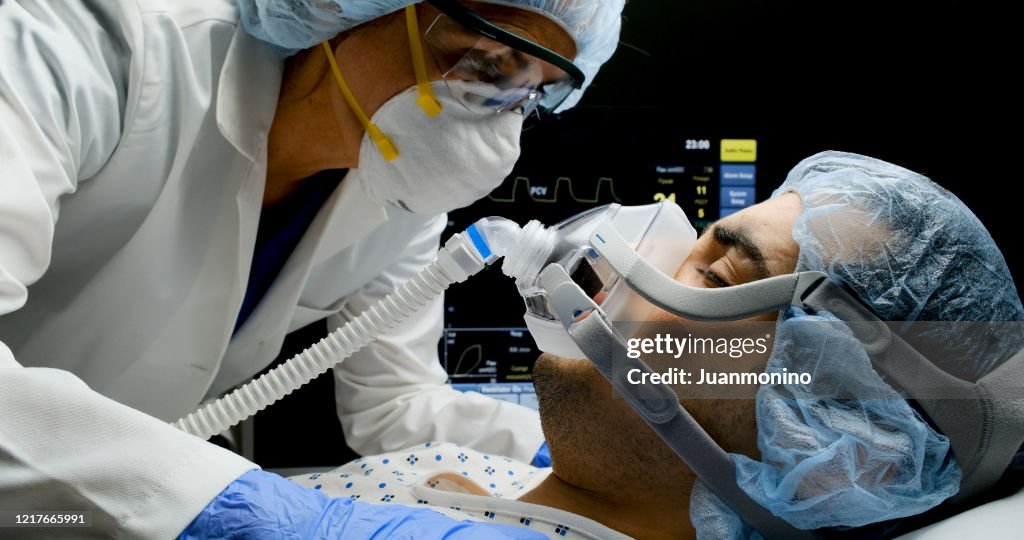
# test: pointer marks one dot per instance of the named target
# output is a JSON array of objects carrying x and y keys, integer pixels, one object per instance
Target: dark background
[{"x": 925, "y": 85}]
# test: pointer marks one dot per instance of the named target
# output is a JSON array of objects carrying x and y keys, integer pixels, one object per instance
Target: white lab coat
[{"x": 132, "y": 162}]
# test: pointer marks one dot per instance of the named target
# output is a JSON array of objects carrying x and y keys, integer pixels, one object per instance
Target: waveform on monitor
[
  {"x": 564, "y": 187},
  {"x": 467, "y": 354}
]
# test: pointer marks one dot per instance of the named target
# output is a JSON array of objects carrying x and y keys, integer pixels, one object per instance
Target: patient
[{"x": 904, "y": 246}]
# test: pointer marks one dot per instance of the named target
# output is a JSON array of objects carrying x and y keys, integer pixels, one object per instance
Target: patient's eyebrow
[{"x": 739, "y": 238}]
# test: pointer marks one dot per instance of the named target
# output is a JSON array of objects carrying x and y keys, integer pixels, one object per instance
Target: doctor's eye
[
  {"x": 713, "y": 278},
  {"x": 487, "y": 66}
]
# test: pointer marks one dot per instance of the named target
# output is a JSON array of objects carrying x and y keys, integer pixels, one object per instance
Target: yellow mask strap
[
  {"x": 387, "y": 148},
  {"x": 426, "y": 101}
]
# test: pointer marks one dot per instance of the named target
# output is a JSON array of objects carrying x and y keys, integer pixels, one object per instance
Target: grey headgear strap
[
  {"x": 984, "y": 421},
  {"x": 724, "y": 304}
]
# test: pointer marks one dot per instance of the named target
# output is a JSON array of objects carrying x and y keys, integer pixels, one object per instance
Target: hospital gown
[{"x": 441, "y": 475}]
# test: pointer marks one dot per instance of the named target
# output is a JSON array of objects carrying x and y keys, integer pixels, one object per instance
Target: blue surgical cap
[
  {"x": 293, "y": 25},
  {"x": 911, "y": 251}
]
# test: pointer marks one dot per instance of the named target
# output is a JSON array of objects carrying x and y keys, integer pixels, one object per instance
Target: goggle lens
[{"x": 489, "y": 77}]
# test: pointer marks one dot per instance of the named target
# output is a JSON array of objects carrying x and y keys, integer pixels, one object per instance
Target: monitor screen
[{"x": 570, "y": 164}]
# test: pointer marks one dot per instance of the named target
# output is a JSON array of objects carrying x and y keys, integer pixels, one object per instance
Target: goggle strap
[
  {"x": 384, "y": 144},
  {"x": 426, "y": 101}
]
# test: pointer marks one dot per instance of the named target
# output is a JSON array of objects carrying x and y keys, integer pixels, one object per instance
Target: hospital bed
[{"x": 997, "y": 520}]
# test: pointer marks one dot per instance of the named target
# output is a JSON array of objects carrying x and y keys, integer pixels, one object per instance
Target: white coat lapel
[
  {"x": 249, "y": 85},
  {"x": 351, "y": 217}
]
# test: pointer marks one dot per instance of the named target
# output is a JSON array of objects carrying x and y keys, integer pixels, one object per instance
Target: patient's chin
[
  {"x": 558, "y": 382},
  {"x": 597, "y": 441},
  {"x": 567, "y": 390}
]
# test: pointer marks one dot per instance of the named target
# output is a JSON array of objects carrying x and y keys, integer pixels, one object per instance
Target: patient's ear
[{"x": 456, "y": 484}]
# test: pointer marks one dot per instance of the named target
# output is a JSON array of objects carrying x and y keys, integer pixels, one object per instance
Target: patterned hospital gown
[{"x": 443, "y": 477}]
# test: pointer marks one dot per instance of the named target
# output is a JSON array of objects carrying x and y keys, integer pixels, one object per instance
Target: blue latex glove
[
  {"x": 543, "y": 457},
  {"x": 264, "y": 505}
]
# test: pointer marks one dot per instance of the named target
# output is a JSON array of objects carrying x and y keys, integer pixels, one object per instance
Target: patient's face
[
  {"x": 597, "y": 441},
  {"x": 749, "y": 245}
]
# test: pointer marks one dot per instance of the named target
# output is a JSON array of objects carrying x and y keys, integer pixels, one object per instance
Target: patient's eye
[{"x": 711, "y": 277}]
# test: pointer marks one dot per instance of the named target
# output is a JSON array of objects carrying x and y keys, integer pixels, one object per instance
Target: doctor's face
[
  {"x": 589, "y": 428},
  {"x": 378, "y": 65}
]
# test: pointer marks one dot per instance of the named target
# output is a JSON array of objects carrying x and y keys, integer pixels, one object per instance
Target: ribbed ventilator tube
[{"x": 455, "y": 262}]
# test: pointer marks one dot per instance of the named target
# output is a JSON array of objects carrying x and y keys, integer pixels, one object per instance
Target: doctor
[{"x": 175, "y": 197}]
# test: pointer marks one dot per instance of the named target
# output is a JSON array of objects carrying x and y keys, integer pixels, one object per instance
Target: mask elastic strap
[
  {"x": 384, "y": 144},
  {"x": 426, "y": 101},
  {"x": 729, "y": 303}
]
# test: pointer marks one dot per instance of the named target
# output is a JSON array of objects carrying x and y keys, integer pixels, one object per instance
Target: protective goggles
[
  {"x": 500, "y": 70},
  {"x": 957, "y": 408}
]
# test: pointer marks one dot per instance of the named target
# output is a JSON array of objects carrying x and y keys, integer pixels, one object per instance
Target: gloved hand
[
  {"x": 264, "y": 505},
  {"x": 543, "y": 457}
]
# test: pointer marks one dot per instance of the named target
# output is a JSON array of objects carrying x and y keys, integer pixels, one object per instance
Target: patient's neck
[{"x": 641, "y": 513}]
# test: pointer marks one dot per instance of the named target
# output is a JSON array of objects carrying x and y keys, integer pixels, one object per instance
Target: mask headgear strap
[
  {"x": 387, "y": 148},
  {"x": 728, "y": 303}
]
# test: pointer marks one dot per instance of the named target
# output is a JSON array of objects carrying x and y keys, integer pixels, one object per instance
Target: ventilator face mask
[{"x": 660, "y": 233}]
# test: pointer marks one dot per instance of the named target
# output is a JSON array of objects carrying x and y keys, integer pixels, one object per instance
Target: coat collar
[{"x": 247, "y": 92}]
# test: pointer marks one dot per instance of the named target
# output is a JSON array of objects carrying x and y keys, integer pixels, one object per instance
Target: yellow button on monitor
[{"x": 742, "y": 150}]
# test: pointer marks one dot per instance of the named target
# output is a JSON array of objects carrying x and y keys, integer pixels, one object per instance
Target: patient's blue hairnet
[
  {"x": 911, "y": 251},
  {"x": 293, "y": 25}
]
